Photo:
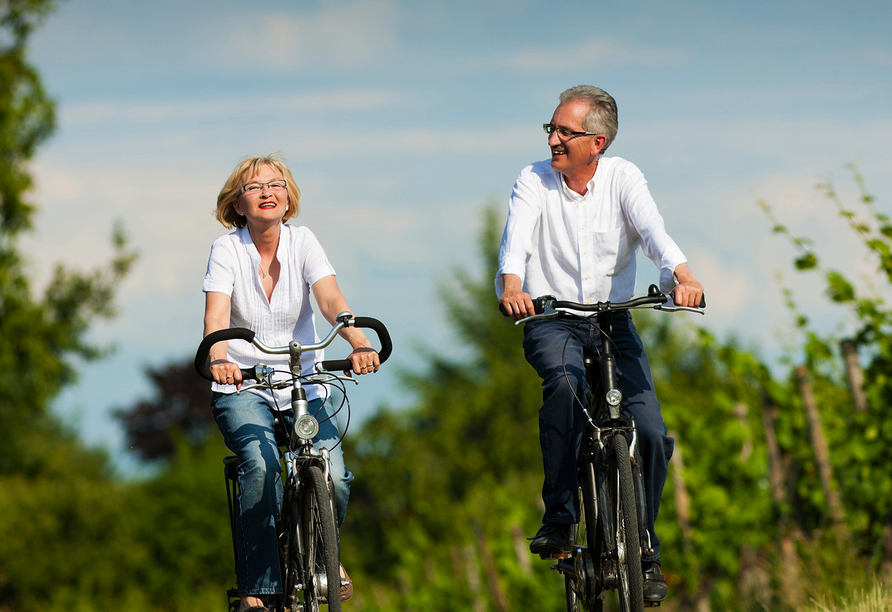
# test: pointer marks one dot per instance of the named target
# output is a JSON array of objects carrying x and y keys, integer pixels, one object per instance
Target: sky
[{"x": 403, "y": 120}]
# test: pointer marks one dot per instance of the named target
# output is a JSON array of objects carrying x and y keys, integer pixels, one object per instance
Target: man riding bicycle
[{"x": 574, "y": 225}]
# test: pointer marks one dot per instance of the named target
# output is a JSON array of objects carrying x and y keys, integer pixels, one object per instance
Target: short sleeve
[
  {"x": 220, "y": 275},
  {"x": 314, "y": 261}
]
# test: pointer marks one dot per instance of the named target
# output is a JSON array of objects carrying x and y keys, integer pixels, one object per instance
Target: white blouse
[{"x": 286, "y": 316}]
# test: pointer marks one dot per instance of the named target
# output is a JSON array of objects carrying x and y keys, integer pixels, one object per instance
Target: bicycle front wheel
[
  {"x": 322, "y": 580},
  {"x": 572, "y": 584},
  {"x": 291, "y": 554},
  {"x": 630, "y": 582},
  {"x": 582, "y": 587}
]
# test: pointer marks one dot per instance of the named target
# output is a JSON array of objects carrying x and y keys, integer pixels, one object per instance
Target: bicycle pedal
[
  {"x": 566, "y": 554},
  {"x": 652, "y": 604}
]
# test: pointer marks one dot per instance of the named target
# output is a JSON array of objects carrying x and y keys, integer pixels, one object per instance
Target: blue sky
[{"x": 402, "y": 120}]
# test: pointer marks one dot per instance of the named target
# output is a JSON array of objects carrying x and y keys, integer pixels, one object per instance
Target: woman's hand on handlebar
[
  {"x": 226, "y": 373},
  {"x": 365, "y": 360}
]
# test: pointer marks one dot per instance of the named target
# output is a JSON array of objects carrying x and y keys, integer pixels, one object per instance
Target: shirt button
[{"x": 586, "y": 277}]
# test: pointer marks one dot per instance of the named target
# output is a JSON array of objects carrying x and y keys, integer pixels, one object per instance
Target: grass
[{"x": 877, "y": 599}]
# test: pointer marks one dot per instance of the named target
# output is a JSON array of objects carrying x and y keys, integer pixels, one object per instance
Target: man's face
[{"x": 576, "y": 153}]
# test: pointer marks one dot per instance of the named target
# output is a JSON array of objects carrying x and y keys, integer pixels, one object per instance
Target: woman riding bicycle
[{"x": 260, "y": 277}]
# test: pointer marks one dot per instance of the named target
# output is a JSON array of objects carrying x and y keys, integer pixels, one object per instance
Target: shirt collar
[
  {"x": 281, "y": 251},
  {"x": 572, "y": 194}
]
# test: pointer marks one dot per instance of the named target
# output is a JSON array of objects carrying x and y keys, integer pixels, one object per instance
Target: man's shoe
[
  {"x": 654, "y": 581},
  {"x": 551, "y": 539}
]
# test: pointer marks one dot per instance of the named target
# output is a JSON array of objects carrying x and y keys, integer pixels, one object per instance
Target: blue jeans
[
  {"x": 553, "y": 345},
  {"x": 247, "y": 427}
]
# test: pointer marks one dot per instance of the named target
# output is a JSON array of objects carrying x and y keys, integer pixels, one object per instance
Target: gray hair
[{"x": 602, "y": 115}]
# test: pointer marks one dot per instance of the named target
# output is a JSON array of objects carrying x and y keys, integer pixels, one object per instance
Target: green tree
[
  {"x": 55, "y": 491},
  {"x": 39, "y": 336},
  {"x": 859, "y": 438}
]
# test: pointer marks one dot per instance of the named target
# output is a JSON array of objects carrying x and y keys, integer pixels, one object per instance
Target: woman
[{"x": 260, "y": 277}]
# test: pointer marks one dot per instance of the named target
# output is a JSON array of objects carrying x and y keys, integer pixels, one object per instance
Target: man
[{"x": 574, "y": 225}]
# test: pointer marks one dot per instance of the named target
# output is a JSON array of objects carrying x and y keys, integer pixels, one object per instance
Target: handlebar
[
  {"x": 548, "y": 306},
  {"x": 239, "y": 333}
]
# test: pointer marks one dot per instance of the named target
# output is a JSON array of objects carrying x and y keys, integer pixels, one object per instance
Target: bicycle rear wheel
[
  {"x": 322, "y": 582},
  {"x": 624, "y": 507}
]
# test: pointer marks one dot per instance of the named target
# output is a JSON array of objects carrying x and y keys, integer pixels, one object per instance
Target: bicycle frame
[{"x": 597, "y": 566}]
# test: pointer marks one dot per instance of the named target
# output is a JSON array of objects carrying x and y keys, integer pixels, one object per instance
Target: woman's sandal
[{"x": 346, "y": 587}]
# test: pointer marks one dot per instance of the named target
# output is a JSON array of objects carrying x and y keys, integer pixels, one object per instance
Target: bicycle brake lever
[
  {"x": 671, "y": 306},
  {"x": 547, "y": 313},
  {"x": 324, "y": 377}
]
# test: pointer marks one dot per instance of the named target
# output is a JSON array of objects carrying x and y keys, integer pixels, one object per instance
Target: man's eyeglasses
[
  {"x": 564, "y": 133},
  {"x": 276, "y": 185}
]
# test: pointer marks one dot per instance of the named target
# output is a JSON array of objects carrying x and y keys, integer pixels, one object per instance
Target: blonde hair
[{"x": 247, "y": 169}]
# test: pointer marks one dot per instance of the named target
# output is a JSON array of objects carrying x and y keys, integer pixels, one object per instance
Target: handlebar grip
[
  {"x": 204, "y": 349},
  {"x": 334, "y": 365},
  {"x": 538, "y": 305}
]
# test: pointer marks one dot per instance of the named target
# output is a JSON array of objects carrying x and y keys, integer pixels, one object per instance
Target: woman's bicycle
[
  {"x": 307, "y": 530},
  {"x": 606, "y": 547}
]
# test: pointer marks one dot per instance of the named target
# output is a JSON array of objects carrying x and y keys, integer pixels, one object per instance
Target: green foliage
[{"x": 74, "y": 541}]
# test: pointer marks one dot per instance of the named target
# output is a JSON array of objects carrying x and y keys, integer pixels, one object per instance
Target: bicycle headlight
[
  {"x": 306, "y": 427},
  {"x": 614, "y": 397}
]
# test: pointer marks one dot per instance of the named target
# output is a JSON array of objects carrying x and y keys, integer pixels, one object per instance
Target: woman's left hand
[{"x": 365, "y": 360}]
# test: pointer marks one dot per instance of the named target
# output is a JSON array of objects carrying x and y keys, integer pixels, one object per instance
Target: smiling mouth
[{"x": 268, "y": 205}]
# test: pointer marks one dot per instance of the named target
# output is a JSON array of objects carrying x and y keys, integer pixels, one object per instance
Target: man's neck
[{"x": 578, "y": 182}]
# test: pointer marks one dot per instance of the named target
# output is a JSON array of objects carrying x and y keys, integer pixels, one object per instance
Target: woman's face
[{"x": 265, "y": 200}]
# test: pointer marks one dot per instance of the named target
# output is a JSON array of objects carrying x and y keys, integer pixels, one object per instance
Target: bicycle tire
[
  {"x": 572, "y": 586},
  {"x": 583, "y": 590},
  {"x": 322, "y": 582},
  {"x": 290, "y": 554},
  {"x": 630, "y": 582}
]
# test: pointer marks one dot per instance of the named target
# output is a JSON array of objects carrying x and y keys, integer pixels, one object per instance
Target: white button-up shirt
[
  {"x": 581, "y": 248},
  {"x": 276, "y": 321}
]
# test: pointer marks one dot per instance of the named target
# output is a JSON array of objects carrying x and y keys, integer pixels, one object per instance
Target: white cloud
[
  {"x": 220, "y": 109},
  {"x": 583, "y": 55},
  {"x": 351, "y": 35}
]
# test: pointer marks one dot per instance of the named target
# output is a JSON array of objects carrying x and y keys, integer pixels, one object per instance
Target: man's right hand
[{"x": 517, "y": 303}]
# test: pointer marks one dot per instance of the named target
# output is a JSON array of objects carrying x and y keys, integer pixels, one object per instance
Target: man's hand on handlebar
[
  {"x": 226, "y": 373},
  {"x": 515, "y": 303},
  {"x": 365, "y": 360},
  {"x": 518, "y": 304},
  {"x": 688, "y": 293}
]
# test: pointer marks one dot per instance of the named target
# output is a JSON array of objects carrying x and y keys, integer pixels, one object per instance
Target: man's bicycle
[
  {"x": 606, "y": 547},
  {"x": 307, "y": 530}
]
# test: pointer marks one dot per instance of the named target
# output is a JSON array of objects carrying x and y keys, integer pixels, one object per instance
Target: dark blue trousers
[{"x": 554, "y": 347}]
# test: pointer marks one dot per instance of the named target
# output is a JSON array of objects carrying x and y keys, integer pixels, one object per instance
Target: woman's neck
[{"x": 265, "y": 239}]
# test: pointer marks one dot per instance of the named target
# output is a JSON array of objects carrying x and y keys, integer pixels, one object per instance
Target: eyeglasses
[
  {"x": 276, "y": 185},
  {"x": 564, "y": 133}
]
